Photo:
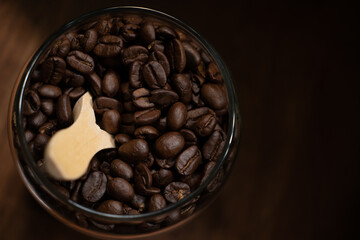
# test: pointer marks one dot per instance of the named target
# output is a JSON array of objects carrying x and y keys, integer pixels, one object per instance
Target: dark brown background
[{"x": 297, "y": 71}]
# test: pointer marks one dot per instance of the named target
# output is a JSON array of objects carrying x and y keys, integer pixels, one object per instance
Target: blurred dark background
[{"x": 296, "y": 66}]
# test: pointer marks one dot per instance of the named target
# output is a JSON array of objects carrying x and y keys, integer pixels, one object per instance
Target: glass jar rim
[{"x": 43, "y": 180}]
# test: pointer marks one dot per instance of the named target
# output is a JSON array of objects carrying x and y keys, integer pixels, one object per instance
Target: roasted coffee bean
[
  {"x": 62, "y": 190},
  {"x": 47, "y": 107},
  {"x": 108, "y": 46},
  {"x": 89, "y": 41},
  {"x": 40, "y": 142},
  {"x": 121, "y": 169},
  {"x": 61, "y": 48},
  {"x": 147, "y": 117},
  {"x": 193, "y": 180},
  {"x": 160, "y": 57},
  {"x": 36, "y": 76},
  {"x": 214, "y": 146},
  {"x": 127, "y": 118},
  {"x": 189, "y": 137},
  {"x": 146, "y": 132},
  {"x": 193, "y": 57},
  {"x": 213, "y": 73},
  {"x": 64, "y": 111},
  {"x": 127, "y": 129},
  {"x": 169, "y": 145},
  {"x": 205, "y": 125},
  {"x": 105, "y": 167},
  {"x": 53, "y": 70},
  {"x": 138, "y": 202},
  {"x": 49, "y": 91},
  {"x": 111, "y": 121},
  {"x": 156, "y": 202},
  {"x": 163, "y": 98},
  {"x": 213, "y": 95},
  {"x": 94, "y": 187},
  {"x": 162, "y": 177},
  {"x": 120, "y": 189},
  {"x": 161, "y": 124},
  {"x": 130, "y": 32},
  {"x": 165, "y": 33},
  {"x": 176, "y": 55},
  {"x": 196, "y": 82},
  {"x": 76, "y": 42},
  {"x": 216, "y": 181},
  {"x": 76, "y": 93},
  {"x": 154, "y": 75},
  {"x": 80, "y": 61},
  {"x": 149, "y": 161},
  {"x": 31, "y": 103},
  {"x": 107, "y": 154},
  {"x": 135, "y": 74},
  {"x": 147, "y": 32},
  {"x": 176, "y": 191},
  {"x": 111, "y": 206},
  {"x": 48, "y": 128},
  {"x": 94, "y": 164},
  {"x": 177, "y": 115},
  {"x": 103, "y": 104},
  {"x": 102, "y": 226},
  {"x": 95, "y": 83},
  {"x": 36, "y": 120},
  {"x": 156, "y": 45},
  {"x": 165, "y": 163},
  {"x": 134, "y": 53},
  {"x": 111, "y": 83},
  {"x": 143, "y": 181},
  {"x": 134, "y": 151},
  {"x": 103, "y": 27},
  {"x": 181, "y": 84},
  {"x": 122, "y": 138},
  {"x": 73, "y": 79},
  {"x": 29, "y": 135},
  {"x": 125, "y": 90},
  {"x": 195, "y": 114},
  {"x": 188, "y": 161},
  {"x": 141, "y": 98},
  {"x": 132, "y": 19}
]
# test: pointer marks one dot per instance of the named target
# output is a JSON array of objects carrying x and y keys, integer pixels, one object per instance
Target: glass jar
[{"x": 110, "y": 226}]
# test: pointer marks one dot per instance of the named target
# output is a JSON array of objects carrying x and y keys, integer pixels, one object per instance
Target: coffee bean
[
  {"x": 162, "y": 177},
  {"x": 213, "y": 95},
  {"x": 127, "y": 129},
  {"x": 176, "y": 55},
  {"x": 36, "y": 120},
  {"x": 165, "y": 163},
  {"x": 111, "y": 206},
  {"x": 214, "y": 146},
  {"x": 90, "y": 40},
  {"x": 188, "y": 161},
  {"x": 49, "y": 91},
  {"x": 64, "y": 111},
  {"x": 147, "y": 117},
  {"x": 31, "y": 103},
  {"x": 48, "y": 128},
  {"x": 134, "y": 151},
  {"x": 149, "y": 161},
  {"x": 154, "y": 75},
  {"x": 134, "y": 53},
  {"x": 95, "y": 83},
  {"x": 156, "y": 202},
  {"x": 105, "y": 167},
  {"x": 76, "y": 42},
  {"x": 195, "y": 115},
  {"x": 205, "y": 125},
  {"x": 193, "y": 180},
  {"x": 120, "y": 189},
  {"x": 176, "y": 191},
  {"x": 111, "y": 121},
  {"x": 165, "y": 33},
  {"x": 189, "y": 137},
  {"x": 138, "y": 202},
  {"x": 213, "y": 73},
  {"x": 182, "y": 86},
  {"x": 147, "y": 32},
  {"x": 29, "y": 135},
  {"x": 121, "y": 169},
  {"x": 80, "y": 61},
  {"x": 140, "y": 98},
  {"x": 193, "y": 57},
  {"x": 132, "y": 19},
  {"x": 103, "y": 104},
  {"x": 122, "y": 138},
  {"x": 160, "y": 57},
  {"x": 143, "y": 181},
  {"x": 146, "y": 132},
  {"x": 169, "y": 145},
  {"x": 156, "y": 45},
  {"x": 76, "y": 93},
  {"x": 130, "y": 31},
  {"x": 61, "y": 48},
  {"x": 94, "y": 187},
  {"x": 110, "y": 84},
  {"x": 163, "y": 98},
  {"x": 103, "y": 27},
  {"x": 53, "y": 70},
  {"x": 135, "y": 74},
  {"x": 47, "y": 107},
  {"x": 108, "y": 46},
  {"x": 73, "y": 79},
  {"x": 40, "y": 142},
  {"x": 177, "y": 116}
]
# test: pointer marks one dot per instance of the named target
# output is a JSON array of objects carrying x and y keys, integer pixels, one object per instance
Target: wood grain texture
[{"x": 297, "y": 74}]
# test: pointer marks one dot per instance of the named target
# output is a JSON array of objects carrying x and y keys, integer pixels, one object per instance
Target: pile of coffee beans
[{"x": 154, "y": 89}]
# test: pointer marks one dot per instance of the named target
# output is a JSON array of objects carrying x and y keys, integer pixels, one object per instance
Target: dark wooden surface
[{"x": 296, "y": 66}]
